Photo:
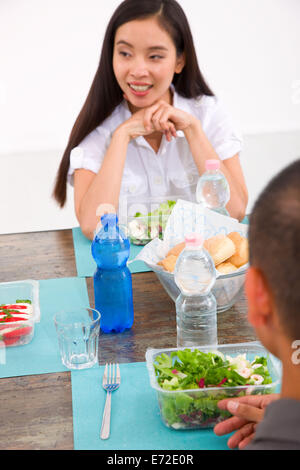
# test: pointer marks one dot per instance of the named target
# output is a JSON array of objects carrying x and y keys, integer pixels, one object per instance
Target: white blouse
[{"x": 171, "y": 173}]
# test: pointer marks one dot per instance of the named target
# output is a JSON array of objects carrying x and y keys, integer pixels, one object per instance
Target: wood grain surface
[
  {"x": 37, "y": 255},
  {"x": 44, "y": 419},
  {"x": 36, "y": 412}
]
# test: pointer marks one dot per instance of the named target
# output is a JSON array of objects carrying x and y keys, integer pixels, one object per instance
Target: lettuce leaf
[{"x": 198, "y": 369}]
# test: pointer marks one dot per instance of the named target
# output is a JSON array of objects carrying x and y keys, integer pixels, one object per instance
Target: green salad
[
  {"x": 146, "y": 227},
  {"x": 196, "y": 370}
]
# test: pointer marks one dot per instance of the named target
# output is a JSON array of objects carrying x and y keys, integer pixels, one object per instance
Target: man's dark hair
[{"x": 274, "y": 239}]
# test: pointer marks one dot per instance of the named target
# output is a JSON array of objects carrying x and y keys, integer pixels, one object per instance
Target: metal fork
[{"x": 110, "y": 383}]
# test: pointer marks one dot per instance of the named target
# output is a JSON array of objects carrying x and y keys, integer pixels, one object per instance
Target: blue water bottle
[{"x": 112, "y": 279}]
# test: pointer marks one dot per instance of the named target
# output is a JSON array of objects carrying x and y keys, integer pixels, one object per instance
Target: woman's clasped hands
[{"x": 159, "y": 117}]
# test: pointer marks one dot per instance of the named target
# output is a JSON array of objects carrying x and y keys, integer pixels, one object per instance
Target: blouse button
[
  {"x": 158, "y": 180},
  {"x": 132, "y": 188},
  {"x": 198, "y": 102},
  {"x": 192, "y": 178}
]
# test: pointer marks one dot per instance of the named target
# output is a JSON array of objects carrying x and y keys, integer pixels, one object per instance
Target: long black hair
[{"x": 105, "y": 93}]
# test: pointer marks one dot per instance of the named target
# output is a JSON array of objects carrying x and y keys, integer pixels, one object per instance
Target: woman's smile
[{"x": 139, "y": 89}]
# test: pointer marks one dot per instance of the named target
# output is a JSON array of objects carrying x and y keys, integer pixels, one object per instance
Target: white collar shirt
[{"x": 171, "y": 173}]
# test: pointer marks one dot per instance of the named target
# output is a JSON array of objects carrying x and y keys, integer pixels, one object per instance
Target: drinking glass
[{"x": 78, "y": 336}]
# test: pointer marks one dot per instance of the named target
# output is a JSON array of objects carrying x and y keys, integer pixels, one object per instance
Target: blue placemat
[
  {"x": 245, "y": 220},
  {"x": 41, "y": 355},
  {"x": 135, "y": 418},
  {"x": 85, "y": 263}
]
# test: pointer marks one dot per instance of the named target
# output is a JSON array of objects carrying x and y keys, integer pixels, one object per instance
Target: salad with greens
[
  {"x": 190, "y": 371},
  {"x": 146, "y": 227}
]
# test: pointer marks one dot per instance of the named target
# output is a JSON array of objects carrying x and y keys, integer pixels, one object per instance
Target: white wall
[
  {"x": 49, "y": 51},
  {"x": 49, "y": 54},
  {"x": 250, "y": 53}
]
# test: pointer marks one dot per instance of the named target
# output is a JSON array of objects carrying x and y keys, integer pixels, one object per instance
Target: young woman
[{"x": 150, "y": 121}]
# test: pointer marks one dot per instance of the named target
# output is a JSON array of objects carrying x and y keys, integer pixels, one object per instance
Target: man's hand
[{"x": 247, "y": 411}]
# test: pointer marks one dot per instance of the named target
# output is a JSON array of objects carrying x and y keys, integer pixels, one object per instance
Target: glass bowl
[{"x": 227, "y": 290}]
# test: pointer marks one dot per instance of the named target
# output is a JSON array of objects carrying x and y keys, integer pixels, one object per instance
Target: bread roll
[
  {"x": 220, "y": 248},
  {"x": 241, "y": 255},
  {"x": 228, "y": 252},
  {"x": 168, "y": 263},
  {"x": 226, "y": 268},
  {"x": 177, "y": 249}
]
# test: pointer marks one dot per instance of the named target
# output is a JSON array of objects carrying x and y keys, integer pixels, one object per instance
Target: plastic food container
[
  {"x": 16, "y": 333},
  {"x": 197, "y": 408},
  {"x": 227, "y": 288},
  {"x": 143, "y": 229},
  {"x": 151, "y": 224}
]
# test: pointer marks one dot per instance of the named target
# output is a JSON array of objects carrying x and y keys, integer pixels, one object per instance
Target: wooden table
[{"x": 36, "y": 411}]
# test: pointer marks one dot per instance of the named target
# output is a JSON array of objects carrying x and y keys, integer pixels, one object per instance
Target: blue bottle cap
[{"x": 109, "y": 219}]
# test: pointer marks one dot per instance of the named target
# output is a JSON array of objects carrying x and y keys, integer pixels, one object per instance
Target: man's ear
[
  {"x": 180, "y": 63},
  {"x": 259, "y": 297}
]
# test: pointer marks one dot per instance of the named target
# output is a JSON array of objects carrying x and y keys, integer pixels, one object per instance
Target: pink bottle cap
[
  {"x": 212, "y": 164},
  {"x": 193, "y": 239}
]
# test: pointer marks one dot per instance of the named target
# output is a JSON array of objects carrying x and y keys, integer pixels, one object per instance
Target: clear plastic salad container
[
  {"x": 196, "y": 407},
  {"x": 146, "y": 219},
  {"x": 17, "y": 326}
]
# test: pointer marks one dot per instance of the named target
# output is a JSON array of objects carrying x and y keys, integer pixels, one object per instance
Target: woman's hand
[
  {"x": 160, "y": 117},
  {"x": 247, "y": 412},
  {"x": 165, "y": 118},
  {"x": 135, "y": 126}
]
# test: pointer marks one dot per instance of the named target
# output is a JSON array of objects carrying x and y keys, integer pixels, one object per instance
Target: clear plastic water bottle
[
  {"x": 213, "y": 189},
  {"x": 112, "y": 279},
  {"x": 196, "y": 306}
]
